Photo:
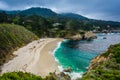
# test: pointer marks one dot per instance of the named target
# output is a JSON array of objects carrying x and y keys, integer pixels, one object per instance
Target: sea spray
[{"x": 75, "y": 75}]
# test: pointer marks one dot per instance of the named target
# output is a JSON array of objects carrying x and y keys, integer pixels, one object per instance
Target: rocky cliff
[
  {"x": 87, "y": 36},
  {"x": 105, "y": 66}
]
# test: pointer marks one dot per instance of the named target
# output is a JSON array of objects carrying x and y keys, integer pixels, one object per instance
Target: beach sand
[{"x": 36, "y": 57}]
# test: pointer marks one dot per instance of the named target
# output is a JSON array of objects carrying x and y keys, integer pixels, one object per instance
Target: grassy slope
[
  {"x": 11, "y": 38},
  {"x": 106, "y": 70},
  {"x": 25, "y": 76}
]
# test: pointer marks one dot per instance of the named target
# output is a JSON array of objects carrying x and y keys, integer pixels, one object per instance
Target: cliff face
[
  {"x": 105, "y": 66},
  {"x": 76, "y": 37},
  {"x": 96, "y": 61},
  {"x": 87, "y": 36}
]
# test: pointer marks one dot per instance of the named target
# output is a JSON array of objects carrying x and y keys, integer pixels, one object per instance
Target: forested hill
[
  {"x": 47, "y": 13},
  {"x": 44, "y": 12},
  {"x": 74, "y": 16},
  {"x": 11, "y": 38},
  {"x": 46, "y": 23},
  {"x": 39, "y": 11}
]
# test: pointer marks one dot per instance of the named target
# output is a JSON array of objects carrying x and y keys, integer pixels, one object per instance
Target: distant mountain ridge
[
  {"x": 45, "y": 12},
  {"x": 39, "y": 11},
  {"x": 34, "y": 11},
  {"x": 74, "y": 16},
  {"x": 11, "y": 12},
  {"x": 48, "y": 13}
]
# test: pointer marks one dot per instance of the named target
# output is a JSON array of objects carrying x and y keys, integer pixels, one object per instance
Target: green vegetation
[
  {"x": 106, "y": 70},
  {"x": 41, "y": 21},
  {"x": 19, "y": 76},
  {"x": 24, "y": 76},
  {"x": 12, "y": 37},
  {"x": 29, "y": 76}
]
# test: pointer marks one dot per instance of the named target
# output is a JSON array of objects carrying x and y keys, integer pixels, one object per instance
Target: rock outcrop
[
  {"x": 96, "y": 61},
  {"x": 76, "y": 37},
  {"x": 89, "y": 35},
  {"x": 67, "y": 70},
  {"x": 60, "y": 76}
]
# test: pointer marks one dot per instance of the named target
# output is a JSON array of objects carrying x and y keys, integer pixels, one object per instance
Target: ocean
[{"x": 78, "y": 54}]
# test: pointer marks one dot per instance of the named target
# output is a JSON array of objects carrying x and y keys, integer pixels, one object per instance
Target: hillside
[
  {"x": 44, "y": 12},
  {"x": 68, "y": 20},
  {"x": 10, "y": 12},
  {"x": 106, "y": 66},
  {"x": 73, "y": 16},
  {"x": 39, "y": 11},
  {"x": 11, "y": 38}
]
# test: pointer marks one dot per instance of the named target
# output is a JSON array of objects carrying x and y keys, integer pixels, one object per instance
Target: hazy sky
[{"x": 96, "y": 9}]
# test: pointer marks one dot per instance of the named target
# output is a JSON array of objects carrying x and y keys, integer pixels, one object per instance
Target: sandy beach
[{"x": 36, "y": 58}]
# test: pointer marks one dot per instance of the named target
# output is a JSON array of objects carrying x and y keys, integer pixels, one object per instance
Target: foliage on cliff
[
  {"x": 29, "y": 76},
  {"x": 12, "y": 37},
  {"x": 106, "y": 69},
  {"x": 19, "y": 76}
]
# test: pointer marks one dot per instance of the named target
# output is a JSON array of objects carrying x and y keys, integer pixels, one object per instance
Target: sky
[{"x": 95, "y": 9}]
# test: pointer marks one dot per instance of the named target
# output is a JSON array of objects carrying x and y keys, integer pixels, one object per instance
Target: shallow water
[{"x": 78, "y": 54}]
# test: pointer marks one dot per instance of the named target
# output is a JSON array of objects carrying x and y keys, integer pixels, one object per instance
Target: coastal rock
[
  {"x": 76, "y": 37},
  {"x": 89, "y": 35},
  {"x": 60, "y": 76},
  {"x": 68, "y": 70},
  {"x": 96, "y": 61}
]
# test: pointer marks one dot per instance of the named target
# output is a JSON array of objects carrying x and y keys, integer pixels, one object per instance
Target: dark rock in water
[
  {"x": 68, "y": 70},
  {"x": 104, "y": 38}
]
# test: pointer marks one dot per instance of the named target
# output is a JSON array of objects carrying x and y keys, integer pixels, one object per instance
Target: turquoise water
[{"x": 78, "y": 54}]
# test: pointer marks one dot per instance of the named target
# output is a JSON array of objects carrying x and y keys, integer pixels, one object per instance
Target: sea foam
[{"x": 73, "y": 75}]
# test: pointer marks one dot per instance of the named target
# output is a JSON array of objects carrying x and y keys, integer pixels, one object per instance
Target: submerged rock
[{"x": 104, "y": 38}]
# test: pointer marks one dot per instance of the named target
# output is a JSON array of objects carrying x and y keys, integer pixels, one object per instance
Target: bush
[{"x": 19, "y": 76}]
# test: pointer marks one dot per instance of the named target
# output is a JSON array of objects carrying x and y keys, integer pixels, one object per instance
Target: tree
[{"x": 3, "y": 17}]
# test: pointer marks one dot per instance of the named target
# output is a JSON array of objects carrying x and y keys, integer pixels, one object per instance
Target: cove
[{"x": 78, "y": 54}]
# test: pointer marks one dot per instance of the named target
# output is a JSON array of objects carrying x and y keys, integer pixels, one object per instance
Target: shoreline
[
  {"x": 36, "y": 57},
  {"x": 51, "y": 62}
]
